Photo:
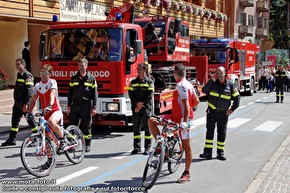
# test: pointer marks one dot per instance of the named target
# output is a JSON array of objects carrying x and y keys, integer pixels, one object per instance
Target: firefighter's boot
[
  {"x": 282, "y": 97},
  {"x": 11, "y": 140},
  {"x": 277, "y": 99},
  {"x": 88, "y": 145},
  {"x": 221, "y": 155},
  {"x": 207, "y": 153},
  {"x": 137, "y": 146},
  {"x": 147, "y": 146}
]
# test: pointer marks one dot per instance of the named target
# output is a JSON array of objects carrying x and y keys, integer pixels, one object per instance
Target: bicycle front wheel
[
  {"x": 153, "y": 166},
  {"x": 75, "y": 138},
  {"x": 37, "y": 160},
  {"x": 175, "y": 155}
]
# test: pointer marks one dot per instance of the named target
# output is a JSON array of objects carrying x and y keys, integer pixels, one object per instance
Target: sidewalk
[
  {"x": 6, "y": 103},
  {"x": 274, "y": 177}
]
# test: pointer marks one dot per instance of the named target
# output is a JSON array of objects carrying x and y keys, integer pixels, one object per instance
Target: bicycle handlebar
[{"x": 167, "y": 121}]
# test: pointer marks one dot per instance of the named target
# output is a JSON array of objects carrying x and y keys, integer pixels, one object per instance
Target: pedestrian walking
[
  {"x": 280, "y": 79},
  {"x": 22, "y": 95},
  {"x": 26, "y": 55},
  {"x": 184, "y": 100},
  {"x": 220, "y": 93},
  {"x": 141, "y": 92},
  {"x": 82, "y": 100}
]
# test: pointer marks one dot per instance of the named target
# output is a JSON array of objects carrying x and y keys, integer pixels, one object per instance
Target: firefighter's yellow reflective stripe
[
  {"x": 211, "y": 105},
  {"x": 212, "y": 93},
  {"x": 225, "y": 97},
  {"x": 137, "y": 136},
  {"x": 220, "y": 147},
  {"x": 145, "y": 85},
  {"x": 34, "y": 129},
  {"x": 135, "y": 85},
  {"x": 29, "y": 83},
  {"x": 74, "y": 84},
  {"x": 14, "y": 129},
  {"x": 88, "y": 136},
  {"x": 89, "y": 84},
  {"x": 20, "y": 80},
  {"x": 208, "y": 141},
  {"x": 208, "y": 146},
  {"x": 128, "y": 88},
  {"x": 148, "y": 137},
  {"x": 150, "y": 88},
  {"x": 220, "y": 143},
  {"x": 235, "y": 94}
]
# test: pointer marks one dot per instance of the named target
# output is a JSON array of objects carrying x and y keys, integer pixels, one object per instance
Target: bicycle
[
  {"x": 38, "y": 155},
  {"x": 167, "y": 147}
]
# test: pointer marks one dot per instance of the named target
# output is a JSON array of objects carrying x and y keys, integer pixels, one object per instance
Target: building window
[{"x": 251, "y": 20}]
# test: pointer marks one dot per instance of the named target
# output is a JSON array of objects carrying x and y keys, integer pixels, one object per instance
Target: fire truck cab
[
  {"x": 113, "y": 49},
  {"x": 238, "y": 57}
]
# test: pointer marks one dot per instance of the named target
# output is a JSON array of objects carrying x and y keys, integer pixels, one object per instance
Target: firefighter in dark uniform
[
  {"x": 220, "y": 93},
  {"x": 22, "y": 94},
  {"x": 141, "y": 94},
  {"x": 280, "y": 78},
  {"x": 82, "y": 100}
]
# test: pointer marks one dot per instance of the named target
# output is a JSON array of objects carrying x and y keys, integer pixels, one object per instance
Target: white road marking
[
  {"x": 234, "y": 123},
  {"x": 119, "y": 157},
  {"x": 76, "y": 174},
  {"x": 268, "y": 126},
  {"x": 242, "y": 107}
]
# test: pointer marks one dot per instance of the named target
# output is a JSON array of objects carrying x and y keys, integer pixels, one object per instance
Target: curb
[{"x": 262, "y": 175}]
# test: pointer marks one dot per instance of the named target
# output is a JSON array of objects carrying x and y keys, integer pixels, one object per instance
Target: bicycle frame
[
  {"x": 167, "y": 134},
  {"x": 44, "y": 130}
]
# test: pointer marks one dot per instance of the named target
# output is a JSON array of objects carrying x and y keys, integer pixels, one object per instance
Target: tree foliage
[{"x": 279, "y": 23}]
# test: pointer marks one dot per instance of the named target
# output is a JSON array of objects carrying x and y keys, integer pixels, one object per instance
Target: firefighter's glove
[
  {"x": 29, "y": 116},
  {"x": 48, "y": 109},
  {"x": 183, "y": 125}
]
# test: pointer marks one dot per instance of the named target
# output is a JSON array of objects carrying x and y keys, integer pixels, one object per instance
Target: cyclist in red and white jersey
[
  {"x": 47, "y": 92},
  {"x": 184, "y": 100}
]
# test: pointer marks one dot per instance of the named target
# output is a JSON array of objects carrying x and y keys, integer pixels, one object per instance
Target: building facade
[
  {"x": 249, "y": 21},
  {"x": 22, "y": 20}
]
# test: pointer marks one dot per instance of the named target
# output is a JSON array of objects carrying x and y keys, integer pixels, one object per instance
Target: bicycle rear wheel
[
  {"x": 175, "y": 155},
  {"x": 153, "y": 166},
  {"x": 77, "y": 153},
  {"x": 37, "y": 161}
]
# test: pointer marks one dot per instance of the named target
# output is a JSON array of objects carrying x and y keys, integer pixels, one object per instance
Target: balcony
[
  {"x": 247, "y": 3},
  {"x": 262, "y": 6},
  {"x": 261, "y": 33},
  {"x": 245, "y": 30}
]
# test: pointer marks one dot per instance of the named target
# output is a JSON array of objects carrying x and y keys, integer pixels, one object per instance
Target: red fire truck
[
  {"x": 238, "y": 57},
  {"x": 114, "y": 48}
]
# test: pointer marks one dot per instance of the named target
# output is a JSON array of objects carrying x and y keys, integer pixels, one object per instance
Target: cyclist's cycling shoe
[
  {"x": 61, "y": 146},
  {"x": 9, "y": 142},
  {"x": 205, "y": 155},
  {"x": 135, "y": 151},
  {"x": 221, "y": 156},
  {"x": 185, "y": 177}
]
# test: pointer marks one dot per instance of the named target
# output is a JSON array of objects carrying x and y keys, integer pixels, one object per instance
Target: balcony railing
[
  {"x": 247, "y": 3},
  {"x": 261, "y": 33},
  {"x": 262, "y": 6},
  {"x": 245, "y": 30}
]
